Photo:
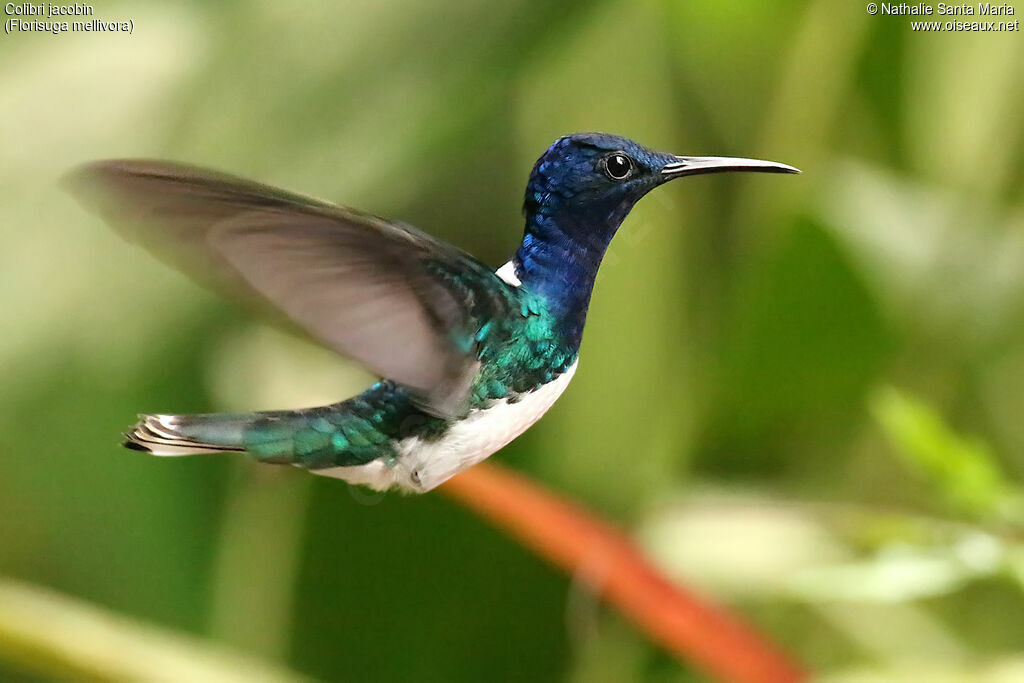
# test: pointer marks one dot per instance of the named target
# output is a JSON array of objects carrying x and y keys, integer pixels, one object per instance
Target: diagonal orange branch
[{"x": 573, "y": 538}]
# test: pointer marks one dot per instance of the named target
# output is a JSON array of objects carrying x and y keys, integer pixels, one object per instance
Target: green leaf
[{"x": 962, "y": 469}]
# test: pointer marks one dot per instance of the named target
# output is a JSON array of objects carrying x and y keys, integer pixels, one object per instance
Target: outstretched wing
[{"x": 397, "y": 300}]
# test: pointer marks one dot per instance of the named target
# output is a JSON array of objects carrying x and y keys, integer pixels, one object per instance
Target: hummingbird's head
[
  {"x": 579, "y": 192},
  {"x": 587, "y": 183}
]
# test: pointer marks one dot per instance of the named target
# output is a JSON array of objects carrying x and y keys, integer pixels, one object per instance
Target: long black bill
[{"x": 685, "y": 166}]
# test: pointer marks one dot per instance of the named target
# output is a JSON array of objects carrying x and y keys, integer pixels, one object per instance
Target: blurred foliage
[
  {"x": 69, "y": 640},
  {"x": 802, "y": 393},
  {"x": 963, "y": 470}
]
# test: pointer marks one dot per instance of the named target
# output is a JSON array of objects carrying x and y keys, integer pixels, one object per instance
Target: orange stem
[{"x": 579, "y": 542}]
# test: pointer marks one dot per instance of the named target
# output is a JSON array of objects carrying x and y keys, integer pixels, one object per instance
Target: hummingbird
[{"x": 469, "y": 357}]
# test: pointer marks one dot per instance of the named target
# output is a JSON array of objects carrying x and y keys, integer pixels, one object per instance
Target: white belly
[{"x": 421, "y": 466}]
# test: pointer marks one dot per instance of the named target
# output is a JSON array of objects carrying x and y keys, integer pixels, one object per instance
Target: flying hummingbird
[{"x": 470, "y": 357}]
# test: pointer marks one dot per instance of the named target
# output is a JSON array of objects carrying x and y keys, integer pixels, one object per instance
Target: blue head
[{"x": 579, "y": 192}]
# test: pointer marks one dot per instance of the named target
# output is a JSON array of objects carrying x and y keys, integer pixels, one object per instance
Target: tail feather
[
  {"x": 185, "y": 434},
  {"x": 312, "y": 438}
]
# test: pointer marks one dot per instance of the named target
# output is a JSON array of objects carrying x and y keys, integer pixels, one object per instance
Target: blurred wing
[{"x": 393, "y": 298}]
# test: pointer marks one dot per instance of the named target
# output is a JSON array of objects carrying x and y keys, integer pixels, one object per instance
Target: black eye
[{"x": 618, "y": 166}]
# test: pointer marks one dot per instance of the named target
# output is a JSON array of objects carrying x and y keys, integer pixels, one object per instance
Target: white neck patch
[{"x": 508, "y": 274}]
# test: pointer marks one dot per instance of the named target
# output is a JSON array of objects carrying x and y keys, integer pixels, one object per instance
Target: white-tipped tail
[{"x": 163, "y": 435}]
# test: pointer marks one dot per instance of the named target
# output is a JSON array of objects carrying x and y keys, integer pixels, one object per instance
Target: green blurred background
[{"x": 803, "y": 395}]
